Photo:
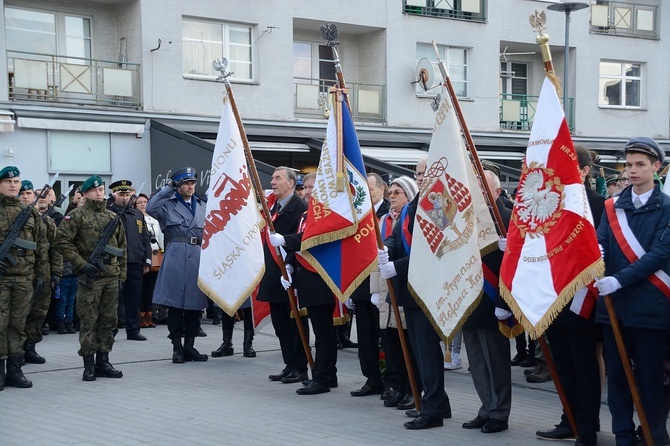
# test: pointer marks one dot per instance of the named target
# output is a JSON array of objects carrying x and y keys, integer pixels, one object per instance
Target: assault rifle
[
  {"x": 102, "y": 247},
  {"x": 12, "y": 238}
]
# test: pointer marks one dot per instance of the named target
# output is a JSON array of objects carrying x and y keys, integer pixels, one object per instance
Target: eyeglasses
[
  {"x": 393, "y": 193},
  {"x": 419, "y": 174}
]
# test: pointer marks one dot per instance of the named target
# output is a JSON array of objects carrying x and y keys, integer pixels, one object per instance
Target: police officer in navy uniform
[
  {"x": 181, "y": 215},
  {"x": 138, "y": 256}
]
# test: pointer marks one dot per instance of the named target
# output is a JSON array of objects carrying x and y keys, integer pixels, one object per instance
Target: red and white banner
[
  {"x": 552, "y": 250},
  {"x": 232, "y": 261},
  {"x": 451, "y": 229}
]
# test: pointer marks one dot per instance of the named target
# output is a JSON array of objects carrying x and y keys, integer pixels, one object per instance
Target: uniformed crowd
[{"x": 109, "y": 245}]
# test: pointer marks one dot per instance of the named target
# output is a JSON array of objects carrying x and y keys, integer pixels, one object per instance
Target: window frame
[
  {"x": 226, "y": 44},
  {"x": 623, "y": 77},
  {"x": 444, "y": 54}
]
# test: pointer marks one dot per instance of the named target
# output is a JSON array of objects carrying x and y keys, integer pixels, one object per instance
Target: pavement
[{"x": 231, "y": 401}]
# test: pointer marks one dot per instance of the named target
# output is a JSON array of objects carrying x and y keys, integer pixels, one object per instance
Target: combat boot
[
  {"x": 150, "y": 320},
  {"x": 104, "y": 368},
  {"x": 69, "y": 327},
  {"x": 143, "y": 320},
  {"x": 89, "y": 368},
  {"x": 15, "y": 376},
  {"x": 30, "y": 355},
  {"x": 226, "y": 348},
  {"x": 2, "y": 374},
  {"x": 190, "y": 353},
  {"x": 60, "y": 327},
  {"x": 249, "y": 351},
  {"x": 177, "y": 351}
]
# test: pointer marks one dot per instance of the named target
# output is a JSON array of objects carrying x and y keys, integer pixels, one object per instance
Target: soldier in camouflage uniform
[
  {"x": 42, "y": 296},
  {"x": 98, "y": 294},
  {"x": 16, "y": 281}
]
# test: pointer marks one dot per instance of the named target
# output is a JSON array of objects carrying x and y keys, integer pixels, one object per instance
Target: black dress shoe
[
  {"x": 558, "y": 433},
  {"x": 332, "y": 382},
  {"x": 528, "y": 362},
  {"x": 294, "y": 377},
  {"x": 366, "y": 390},
  {"x": 279, "y": 376},
  {"x": 413, "y": 413},
  {"x": 314, "y": 388},
  {"x": 406, "y": 404},
  {"x": 387, "y": 393},
  {"x": 492, "y": 426},
  {"x": 347, "y": 343},
  {"x": 394, "y": 399},
  {"x": 476, "y": 423},
  {"x": 135, "y": 336},
  {"x": 201, "y": 333},
  {"x": 518, "y": 359},
  {"x": 424, "y": 422}
]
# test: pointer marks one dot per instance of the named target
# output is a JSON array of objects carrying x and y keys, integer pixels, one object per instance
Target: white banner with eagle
[{"x": 452, "y": 228}]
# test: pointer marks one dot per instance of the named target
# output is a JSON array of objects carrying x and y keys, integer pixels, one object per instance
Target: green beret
[
  {"x": 92, "y": 182},
  {"x": 9, "y": 172},
  {"x": 26, "y": 185}
]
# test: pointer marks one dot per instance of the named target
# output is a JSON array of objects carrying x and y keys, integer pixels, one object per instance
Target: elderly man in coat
[{"x": 182, "y": 217}]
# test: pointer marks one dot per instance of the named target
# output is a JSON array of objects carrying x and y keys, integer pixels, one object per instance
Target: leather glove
[
  {"x": 3, "y": 268},
  {"x": 602, "y": 251},
  {"x": 122, "y": 284},
  {"x": 502, "y": 244},
  {"x": 501, "y": 313},
  {"x": 374, "y": 298},
  {"x": 387, "y": 270},
  {"x": 383, "y": 255},
  {"x": 54, "y": 281},
  {"x": 277, "y": 239},
  {"x": 90, "y": 270},
  {"x": 175, "y": 185},
  {"x": 286, "y": 283},
  {"x": 607, "y": 285}
]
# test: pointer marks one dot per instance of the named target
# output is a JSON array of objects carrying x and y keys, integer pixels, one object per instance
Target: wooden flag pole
[{"x": 265, "y": 211}]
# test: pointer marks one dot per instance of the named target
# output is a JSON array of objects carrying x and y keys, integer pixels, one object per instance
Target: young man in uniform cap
[
  {"x": 39, "y": 306},
  {"x": 181, "y": 215},
  {"x": 635, "y": 243},
  {"x": 16, "y": 280},
  {"x": 138, "y": 258},
  {"x": 98, "y": 293}
]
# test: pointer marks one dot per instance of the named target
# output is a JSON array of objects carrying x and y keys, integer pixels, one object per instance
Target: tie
[
  {"x": 188, "y": 206},
  {"x": 637, "y": 203},
  {"x": 277, "y": 208}
]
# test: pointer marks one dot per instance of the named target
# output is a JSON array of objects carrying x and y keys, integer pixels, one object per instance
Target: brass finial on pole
[{"x": 538, "y": 21}]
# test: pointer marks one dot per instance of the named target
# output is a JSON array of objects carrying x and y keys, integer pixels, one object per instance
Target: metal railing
[
  {"x": 624, "y": 19},
  {"x": 444, "y": 9},
  {"x": 310, "y": 99},
  {"x": 517, "y": 112},
  {"x": 73, "y": 80}
]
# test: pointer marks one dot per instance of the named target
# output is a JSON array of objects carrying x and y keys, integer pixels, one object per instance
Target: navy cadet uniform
[
  {"x": 16, "y": 281},
  {"x": 138, "y": 258},
  {"x": 98, "y": 293},
  {"x": 182, "y": 224}
]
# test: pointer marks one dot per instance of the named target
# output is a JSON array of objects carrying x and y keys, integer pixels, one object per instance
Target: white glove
[
  {"x": 383, "y": 255},
  {"x": 387, "y": 270},
  {"x": 607, "y": 285},
  {"x": 374, "y": 298},
  {"x": 277, "y": 239},
  {"x": 501, "y": 313},
  {"x": 502, "y": 244},
  {"x": 287, "y": 283},
  {"x": 602, "y": 251},
  {"x": 349, "y": 304}
]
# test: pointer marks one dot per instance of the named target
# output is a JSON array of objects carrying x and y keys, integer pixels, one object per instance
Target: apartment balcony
[
  {"x": 517, "y": 112},
  {"x": 311, "y": 99},
  {"x": 73, "y": 80}
]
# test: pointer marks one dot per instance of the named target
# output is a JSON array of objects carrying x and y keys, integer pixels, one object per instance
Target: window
[
  {"x": 620, "y": 84},
  {"x": 80, "y": 152},
  {"x": 456, "y": 60},
  {"x": 203, "y": 42},
  {"x": 624, "y": 19},
  {"x": 455, "y": 9}
]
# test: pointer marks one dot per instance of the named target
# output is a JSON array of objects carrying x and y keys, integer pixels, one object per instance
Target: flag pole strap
[{"x": 265, "y": 211}]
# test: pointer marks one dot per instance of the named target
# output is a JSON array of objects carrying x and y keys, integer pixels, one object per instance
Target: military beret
[
  {"x": 121, "y": 186},
  {"x": 184, "y": 174},
  {"x": 91, "y": 182},
  {"x": 26, "y": 185},
  {"x": 612, "y": 179},
  {"x": 643, "y": 144},
  {"x": 9, "y": 172}
]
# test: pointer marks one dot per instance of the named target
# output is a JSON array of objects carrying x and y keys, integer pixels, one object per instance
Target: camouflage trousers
[
  {"x": 38, "y": 312},
  {"x": 15, "y": 295},
  {"x": 96, "y": 308}
]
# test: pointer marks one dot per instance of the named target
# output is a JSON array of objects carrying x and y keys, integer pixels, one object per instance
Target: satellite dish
[{"x": 424, "y": 74}]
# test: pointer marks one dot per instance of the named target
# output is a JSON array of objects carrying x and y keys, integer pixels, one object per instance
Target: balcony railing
[
  {"x": 310, "y": 99},
  {"x": 73, "y": 80},
  {"x": 517, "y": 112},
  {"x": 472, "y": 10},
  {"x": 624, "y": 19}
]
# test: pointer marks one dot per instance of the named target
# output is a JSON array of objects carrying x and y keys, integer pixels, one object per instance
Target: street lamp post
[{"x": 567, "y": 7}]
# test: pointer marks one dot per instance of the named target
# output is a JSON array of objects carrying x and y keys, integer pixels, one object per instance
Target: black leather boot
[
  {"x": 15, "y": 376},
  {"x": 190, "y": 353},
  {"x": 60, "y": 327},
  {"x": 249, "y": 351},
  {"x": 177, "y": 351},
  {"x": 2, "y": 374},
  {"x": 103, "y": 368},
  {"x": 226, "y": 349},
  {"x": 69, "y": 327},
  {"x": 89, "y": 368},
  {"x": 30, "y": 355}
]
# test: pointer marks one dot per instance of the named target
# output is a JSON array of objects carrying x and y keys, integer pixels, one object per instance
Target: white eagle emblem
[{"x": 537, "y": 201}]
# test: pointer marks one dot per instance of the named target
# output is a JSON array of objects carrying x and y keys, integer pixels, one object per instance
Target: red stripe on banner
[
  {"x": 260, "y": 311},
  {"x": 511, "y": 257},
  {"x": 562, "y": 157}
]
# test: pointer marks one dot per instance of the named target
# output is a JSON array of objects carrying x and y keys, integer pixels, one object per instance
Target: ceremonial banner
[
  {"x": 344, "y": 262},
  {"x": 452, "y": 229},
  {"x": 552, "y": 250},
  {"x": 260, "y": 312},
  {"x": 585, "y": 300},
  {"x": 231, "y": 262}
]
